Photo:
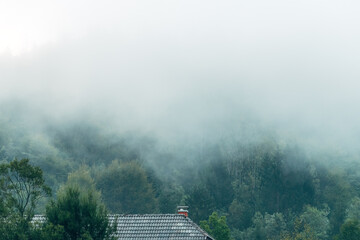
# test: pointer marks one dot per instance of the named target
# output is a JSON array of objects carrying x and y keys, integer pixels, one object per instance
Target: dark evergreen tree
[
  {"x": 126, "y": 189},
  {"x": 81, "y": 215},
  {"x": 170, "y": 197},
  {"x": 201, "y": 203},
  {"x": 350, "y": 230},
  {"x": 218, "y": 183}
]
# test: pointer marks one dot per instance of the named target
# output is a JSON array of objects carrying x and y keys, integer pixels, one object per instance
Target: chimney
[{"x": 183, "y": 210}]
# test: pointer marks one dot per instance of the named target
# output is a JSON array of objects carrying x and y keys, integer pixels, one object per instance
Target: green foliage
[
  {"x": 171, "y": 195},
  {"x": 301, "y": 232},
  {"x": 80, "y": 213},
  {"x": 270, "y": 179},
  {"x": 82, "y": 179},
  {"x": 268, "y": 226},
  {"x": 216, "y": 226},
  {"x": 313, "y": 224},
  {"x": 255, "y": 183},
  {"x": 259, "y": 227},
  {"x": 275, "y": 225},
  {"x": 22, "y": 186},
  {"x": 353, "y": 211},
  {"x": 126, "y": 189},
  {"x": 240, "y": 214},
  {"x": 218, "y": 182},
  {"x": 317, "y": 221},
  {"x": 350, "y": 230},
  {"x": 88, "y": 143},
  {"x": 201, "y": 203},
  {"x": 337, "y": 194},
  {"x": 76, "y": 214},
  {"x": 47, "y": 231}
]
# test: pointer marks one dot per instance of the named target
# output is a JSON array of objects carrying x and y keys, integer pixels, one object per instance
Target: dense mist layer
[{"x": 185, "y": 68}]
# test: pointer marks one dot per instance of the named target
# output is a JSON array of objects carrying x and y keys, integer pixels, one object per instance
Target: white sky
[{"x": 292, "y": 63}]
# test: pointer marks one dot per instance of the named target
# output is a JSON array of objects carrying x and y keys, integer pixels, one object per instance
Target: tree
[
  {"x": 301, "y": 232},
  {"x": 353, "y": 211},
  {"x": 171, "y": 195},
  {"x": 216, "y": 226},
  {"x": 275, "y": 225},
  {"x": 313, "y": 224},
  {"x": 336, "y": 193},
  {"x": 240, "y": 214},
  {"x": 126, "y": 189},
  {"x": 201, "y": 203},
  {"x": 47, "y": 231},
  {"x": 268, "y": 226},
  {"x": 14, "y": 227},
  {"x": 317, "y": 220},
  {"x": 218, "y": 182},
  {"x": 81, "y": 215},
  {"x": 350, "y": 230},
  {"x": 82, "y": 179},
  {"x": 22, "y": 186}
]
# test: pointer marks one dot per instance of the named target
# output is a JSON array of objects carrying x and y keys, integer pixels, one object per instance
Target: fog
[{"x": 187, "y": 69}]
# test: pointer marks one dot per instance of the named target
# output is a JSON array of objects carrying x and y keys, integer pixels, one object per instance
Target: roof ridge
[{"x": 153, "y": 214}]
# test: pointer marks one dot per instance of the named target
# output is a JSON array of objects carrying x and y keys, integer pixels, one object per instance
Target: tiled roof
[{"x": 154, "y": 226}]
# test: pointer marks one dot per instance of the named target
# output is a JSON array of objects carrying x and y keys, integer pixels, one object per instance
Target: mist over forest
[{"x": 247, "y": 109}]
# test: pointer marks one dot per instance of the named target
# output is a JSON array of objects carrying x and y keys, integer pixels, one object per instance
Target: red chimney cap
[{"x": 183, "y": 210}]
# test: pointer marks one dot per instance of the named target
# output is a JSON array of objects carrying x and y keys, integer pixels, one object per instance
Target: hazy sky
[{"x": 163, "y": 64}]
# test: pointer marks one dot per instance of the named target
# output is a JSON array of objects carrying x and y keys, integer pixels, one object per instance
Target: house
[{"x": 155, "y": 226}]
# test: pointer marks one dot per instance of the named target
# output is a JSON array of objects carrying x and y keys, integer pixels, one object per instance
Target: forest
[
  {"x": 243, "y": 111},
  {"x": 262, "y": 186}
]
